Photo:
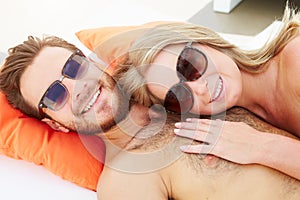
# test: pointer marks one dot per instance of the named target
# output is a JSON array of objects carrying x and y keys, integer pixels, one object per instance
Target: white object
[
  {"x": 23, "y": 180},
  {"x": 257, "y": 41},
  {"x": 225, "y": 6}
]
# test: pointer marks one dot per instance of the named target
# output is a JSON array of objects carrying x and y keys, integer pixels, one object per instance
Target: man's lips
[{"x": 92, "y": 101}]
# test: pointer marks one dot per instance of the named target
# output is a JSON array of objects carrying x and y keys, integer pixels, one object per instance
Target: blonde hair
[{"x": 144, "y": 49}]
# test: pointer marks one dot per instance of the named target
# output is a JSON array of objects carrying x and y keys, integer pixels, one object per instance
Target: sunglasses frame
[
  {"x": 41, "y": 104},
  {"x": 183, "y": 80}
]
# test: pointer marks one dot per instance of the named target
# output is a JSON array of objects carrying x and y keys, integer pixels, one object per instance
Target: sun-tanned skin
[
  {"x": 152, "y": 167},
  {"x": 143, "y": 155}
]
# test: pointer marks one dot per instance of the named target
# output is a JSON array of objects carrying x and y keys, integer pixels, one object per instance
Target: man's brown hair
[{"x": 19, "y": 57}]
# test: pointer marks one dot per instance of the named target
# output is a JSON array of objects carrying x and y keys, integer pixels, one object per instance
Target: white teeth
[
  {"x": 218, "y": 89},
  {"x": 91, "y": 103}
]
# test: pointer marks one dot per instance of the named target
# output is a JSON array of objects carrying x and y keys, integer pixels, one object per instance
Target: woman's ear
[{"x": 55, "y": 125}]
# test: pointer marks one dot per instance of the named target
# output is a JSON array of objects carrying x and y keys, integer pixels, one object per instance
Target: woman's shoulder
[
  {"x": 288, "y": 85},
  {"x": 290, "y": 53},
  {"x": 289, "y": 60}
]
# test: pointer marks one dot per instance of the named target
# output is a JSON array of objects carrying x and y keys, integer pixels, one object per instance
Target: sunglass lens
[
  {"x": 179, "y": 99},
  {"x": 75, "y": 67},
  {"x": 191, "y": 64},
  {"x": 56, "y": 96}
]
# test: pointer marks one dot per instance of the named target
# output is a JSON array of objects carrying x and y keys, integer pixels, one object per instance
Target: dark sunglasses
[
  {"x": 191, "y": 65},
  {"x": 57, "y": 94}
]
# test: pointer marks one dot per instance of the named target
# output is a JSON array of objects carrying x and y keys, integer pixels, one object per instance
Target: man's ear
[{"x": 55, "y": 125}]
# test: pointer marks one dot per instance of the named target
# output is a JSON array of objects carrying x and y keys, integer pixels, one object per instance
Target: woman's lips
[{"x": 218, "y": 90}]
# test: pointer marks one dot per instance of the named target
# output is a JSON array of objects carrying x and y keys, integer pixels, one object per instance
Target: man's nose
[
  {"x": 212, "y": 82},
  {"x": 80, "y": 90},
  {"x": 75, "y": 87}
]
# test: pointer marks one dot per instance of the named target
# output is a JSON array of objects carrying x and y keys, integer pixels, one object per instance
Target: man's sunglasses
[
  {"x": 57, "y": 94},
  {"x": 191, "y": 65}
]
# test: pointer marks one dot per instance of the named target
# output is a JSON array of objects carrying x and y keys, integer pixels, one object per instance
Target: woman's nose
[{"x": 199, "y": 87}]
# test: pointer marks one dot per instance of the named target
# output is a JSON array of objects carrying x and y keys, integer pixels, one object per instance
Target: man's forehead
[
  {"x": 45, "y": 68},
  {"x": 47, "y": 62},
  {"x": 54, "y": 52}
]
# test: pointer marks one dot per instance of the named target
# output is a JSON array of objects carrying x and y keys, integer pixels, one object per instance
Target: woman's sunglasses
[
  {"x": 191, "y": 65},
  {"x": 57, "y": 94}
]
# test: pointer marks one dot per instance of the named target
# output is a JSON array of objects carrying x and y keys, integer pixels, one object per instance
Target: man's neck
[{"x": 119, "y": 136}]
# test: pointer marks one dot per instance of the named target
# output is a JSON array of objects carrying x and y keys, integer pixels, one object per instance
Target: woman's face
[{"x": 217, "y": 89}]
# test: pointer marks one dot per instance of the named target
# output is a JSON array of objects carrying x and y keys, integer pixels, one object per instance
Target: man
[
  {"x": 46, "y": 72},
  {"x": 152, "y": 167},
  {"x": 65, "y": 90}
]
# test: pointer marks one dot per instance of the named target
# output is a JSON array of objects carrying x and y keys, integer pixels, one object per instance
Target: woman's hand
[
  {"x": 240, "y": 143},
  {"x": 234, "y": 141}
]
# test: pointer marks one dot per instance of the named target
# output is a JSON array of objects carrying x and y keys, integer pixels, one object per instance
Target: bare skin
[
  {"x": 273, "y": 95},
  {"x": 164, "y": 178},
  {"x": 154, "y": 168}
]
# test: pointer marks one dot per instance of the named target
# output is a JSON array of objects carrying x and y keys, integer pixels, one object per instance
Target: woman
[{"x": 189, "y": 68}]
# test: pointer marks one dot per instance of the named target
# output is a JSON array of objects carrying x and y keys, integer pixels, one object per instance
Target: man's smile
[{"x": 92, "y": 101}]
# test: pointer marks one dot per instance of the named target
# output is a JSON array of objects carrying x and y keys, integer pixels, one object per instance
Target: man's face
[{"x": 94, "y": 102}]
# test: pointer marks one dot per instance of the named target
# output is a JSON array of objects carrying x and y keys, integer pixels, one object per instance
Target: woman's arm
[{"x": 240, "y": 143}]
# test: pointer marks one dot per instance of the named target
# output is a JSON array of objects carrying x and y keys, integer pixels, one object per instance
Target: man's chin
[
  {"x": 108, "y": 116},
  {"x": 102, "y": 122}
]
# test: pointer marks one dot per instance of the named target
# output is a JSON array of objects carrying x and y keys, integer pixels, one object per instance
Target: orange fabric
[
  {"x": 72, "y": 157},
  {"x": 111, "y": 42}
]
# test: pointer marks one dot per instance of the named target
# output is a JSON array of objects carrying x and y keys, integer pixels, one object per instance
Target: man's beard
[
  {"x": 119, "y": 110},
  {"x": 91, "y": 127}
]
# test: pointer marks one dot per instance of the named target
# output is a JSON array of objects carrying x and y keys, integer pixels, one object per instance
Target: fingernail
[
  {"x": 188, "y": 119},
  {"x": 178, "y": 125},
  {"x": 183, "y": 148},
  {"x": 176, "y": 130}
]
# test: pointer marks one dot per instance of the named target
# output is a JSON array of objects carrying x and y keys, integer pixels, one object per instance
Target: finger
[
  {"x": 199, "y": 120},
  {"x": 205, "y": 122},
  {"x": 192, "y": 134},
  {"x": 200, "y": 149},
  {"x": 193, "y": 124},
  {"x": 213, "y": 128}
]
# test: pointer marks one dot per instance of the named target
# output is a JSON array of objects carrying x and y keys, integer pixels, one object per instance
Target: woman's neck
[{"x": 258, "y": 91}]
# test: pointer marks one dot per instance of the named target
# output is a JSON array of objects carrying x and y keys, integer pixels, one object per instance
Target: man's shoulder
[{"x": 121, "y": 184}]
